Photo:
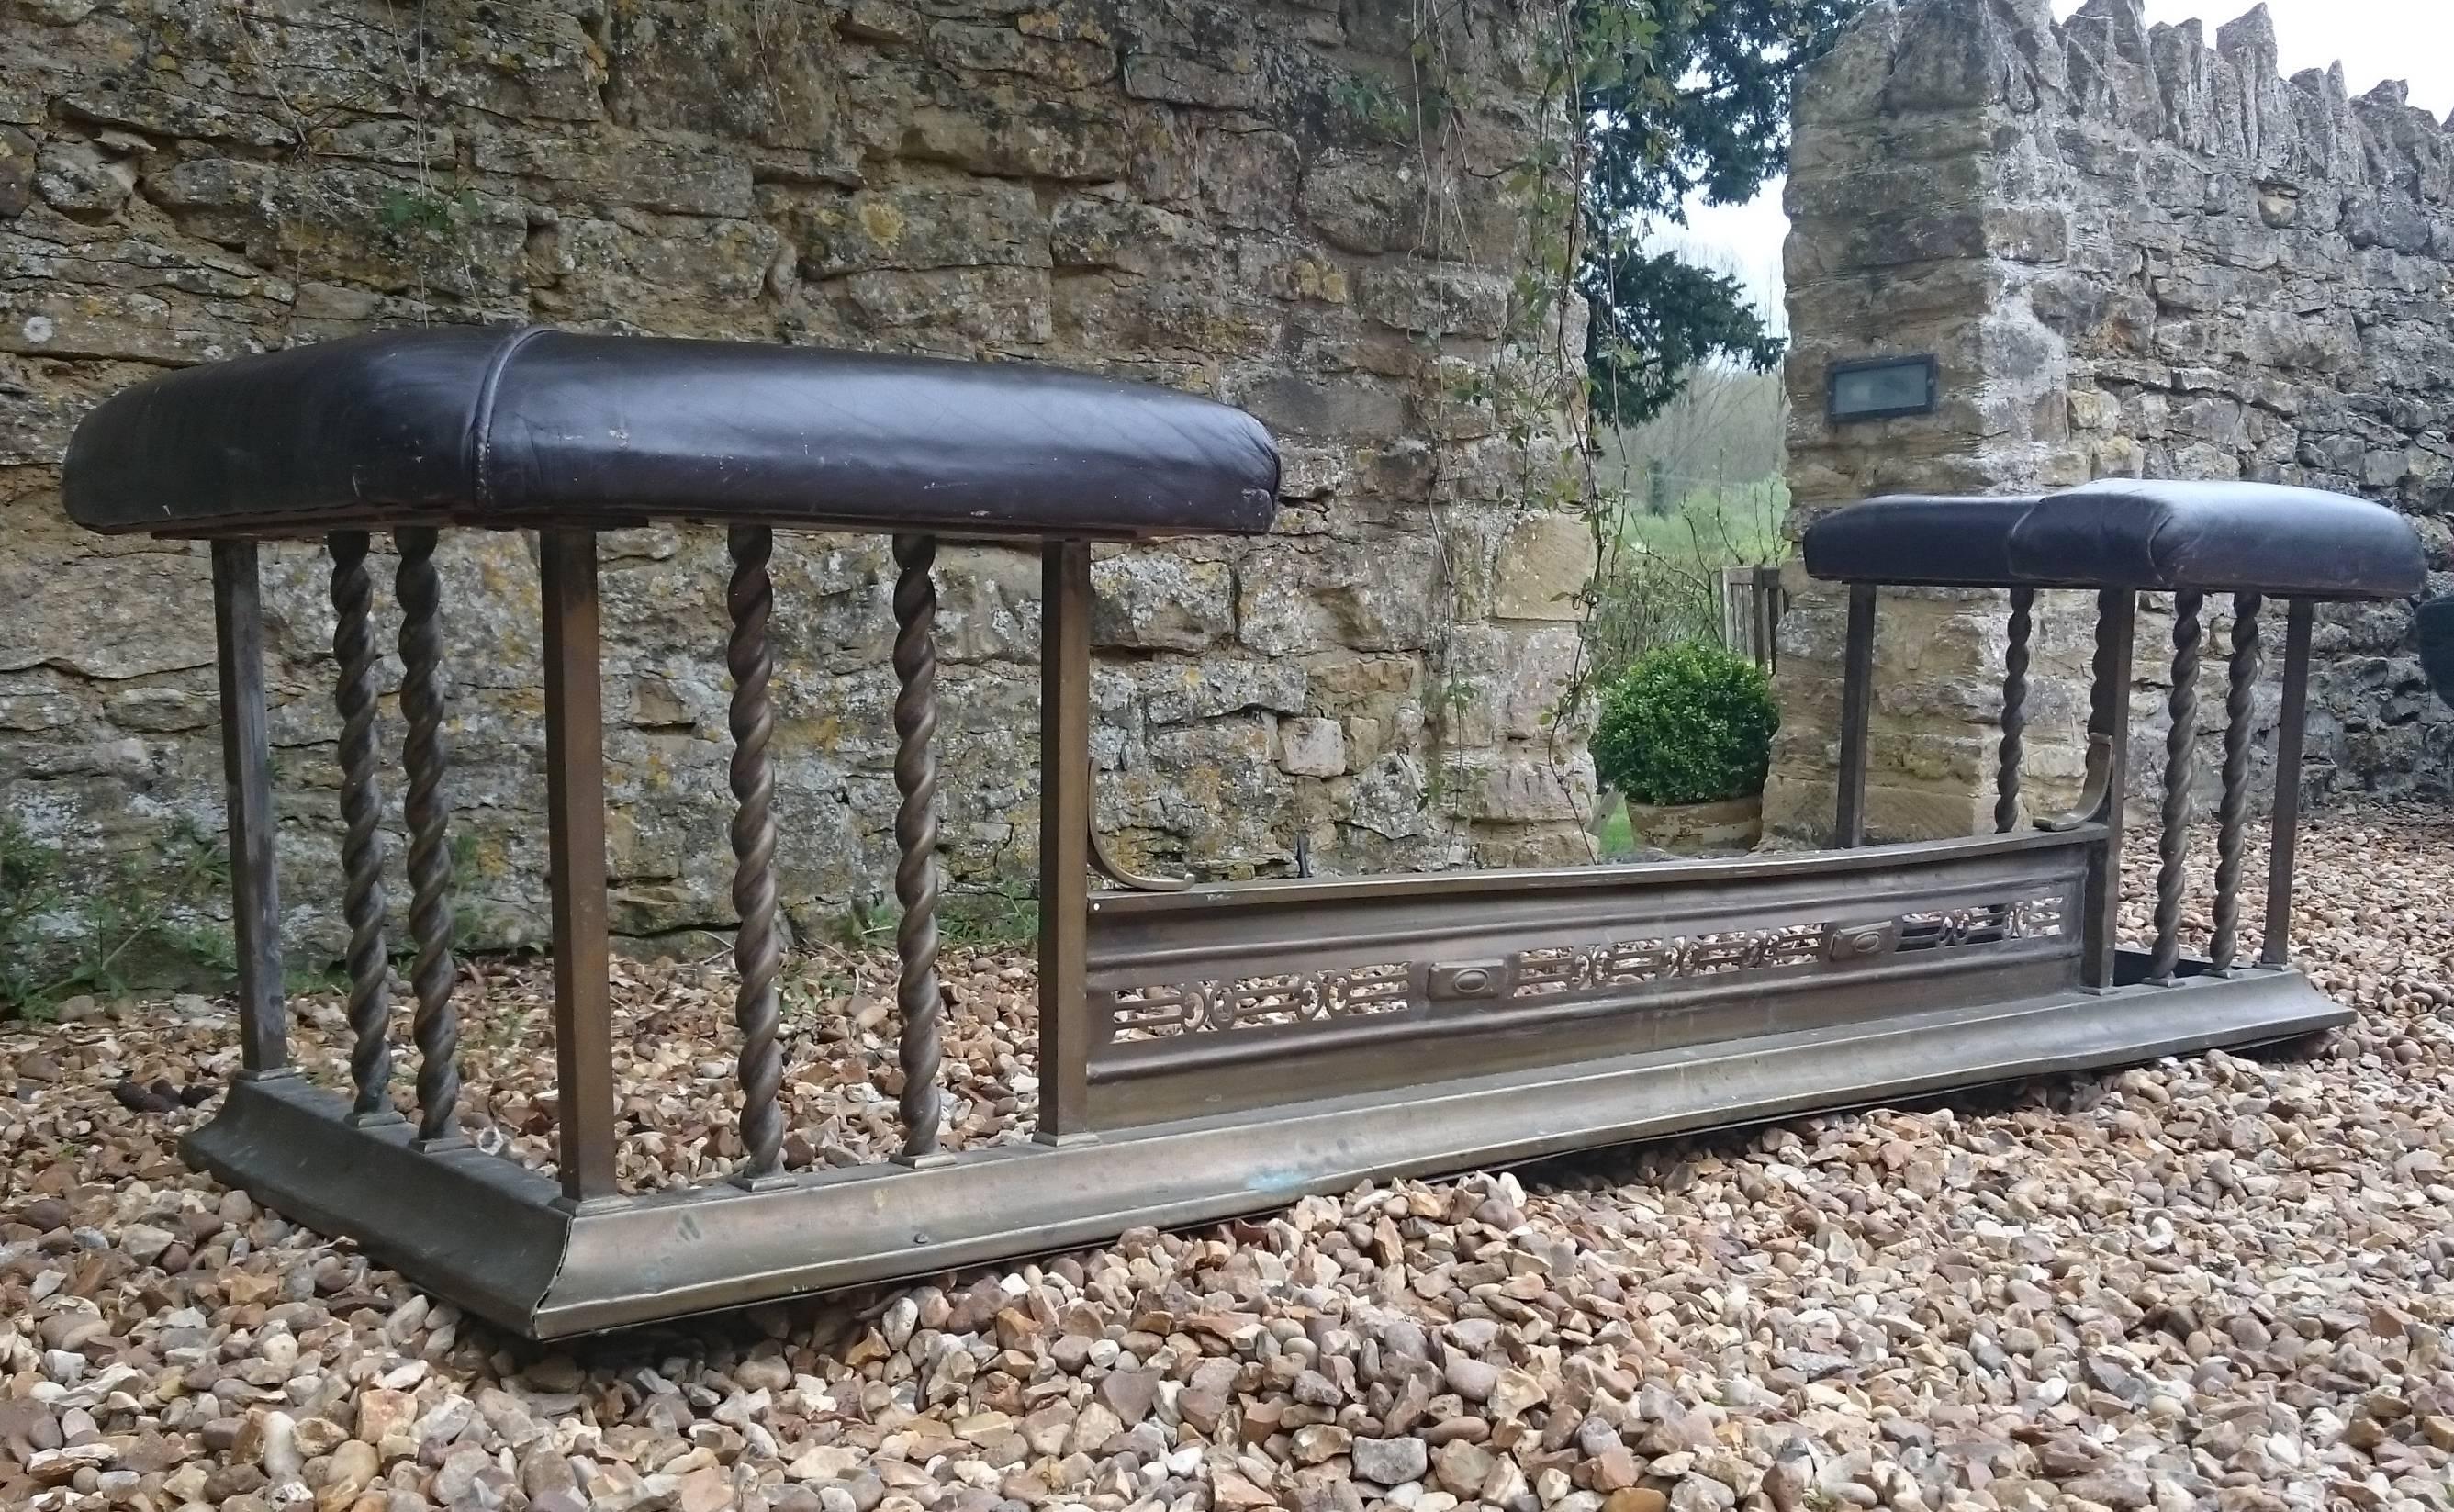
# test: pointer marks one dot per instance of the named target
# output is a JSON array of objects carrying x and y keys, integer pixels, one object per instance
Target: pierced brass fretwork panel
[
  {"x": 1554, "y": 974},
  {"x": 1158, "y": 1013},
  {"x": 1985, "y": 924}
]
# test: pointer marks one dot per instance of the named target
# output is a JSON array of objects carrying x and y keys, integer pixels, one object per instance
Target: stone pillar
[
  {"x": 1922, "y": 214},
  {"x": 2133, "y": 254}
]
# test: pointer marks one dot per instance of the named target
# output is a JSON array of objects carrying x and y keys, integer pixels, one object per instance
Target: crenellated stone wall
[
  {"x": 1240, "y": 199},
  {"x": 2134, "y": 255}
]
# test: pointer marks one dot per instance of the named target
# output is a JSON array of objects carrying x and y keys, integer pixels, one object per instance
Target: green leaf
[{"x": 1689, "y": 724}]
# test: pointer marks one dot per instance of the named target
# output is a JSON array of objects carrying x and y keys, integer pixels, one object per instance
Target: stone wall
[
  {"x": 1240, "y": 199},
  {"x": 2134, "y": 255}
]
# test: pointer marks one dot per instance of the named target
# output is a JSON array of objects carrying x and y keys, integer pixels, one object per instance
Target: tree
[{"x": 1680, "y": 97}]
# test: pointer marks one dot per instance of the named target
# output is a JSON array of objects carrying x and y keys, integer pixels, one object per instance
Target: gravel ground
[{"x": 2211, "y": 1282}]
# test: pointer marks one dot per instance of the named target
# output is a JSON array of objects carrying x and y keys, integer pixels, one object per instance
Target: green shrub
[
  {"x": 1688, "y": 724},
  {"x": 138, "y": 920}
]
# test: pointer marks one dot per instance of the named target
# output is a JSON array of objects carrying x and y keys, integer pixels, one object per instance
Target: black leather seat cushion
[
  {"x": 522, "y": 428},
  {"x": 1917, "y": 539},
  {"x": 2123, "y": 532}
]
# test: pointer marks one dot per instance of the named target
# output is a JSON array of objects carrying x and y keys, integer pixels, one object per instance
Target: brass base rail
[{"x": 499, "y": 1239}]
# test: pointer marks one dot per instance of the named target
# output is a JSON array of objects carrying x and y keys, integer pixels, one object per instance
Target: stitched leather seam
[{"x": 481, "y": 420}]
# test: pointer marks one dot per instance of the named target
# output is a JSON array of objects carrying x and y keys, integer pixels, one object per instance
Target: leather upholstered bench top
[
  {"x": 2122, "y": 533},
  {"x": 531, "y": 427}
]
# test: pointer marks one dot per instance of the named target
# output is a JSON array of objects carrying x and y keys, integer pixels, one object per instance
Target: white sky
[{"x": 2412, "y": 40}]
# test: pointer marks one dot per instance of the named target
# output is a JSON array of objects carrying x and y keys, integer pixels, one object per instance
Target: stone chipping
[{"x": 2221, "y": 1281}]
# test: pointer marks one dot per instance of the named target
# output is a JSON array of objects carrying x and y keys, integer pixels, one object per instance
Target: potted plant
[{"x": 1686, "y": 733}]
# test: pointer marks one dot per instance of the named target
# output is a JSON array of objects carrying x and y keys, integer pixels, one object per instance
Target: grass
[
  {"x": 1714, "y": 527},
  {"x": 1617, "y": 838},
  {"x": 1660, "y": 576}
]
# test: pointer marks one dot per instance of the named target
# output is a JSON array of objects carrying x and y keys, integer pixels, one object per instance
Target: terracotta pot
[{"x": 1697, "y": 829}]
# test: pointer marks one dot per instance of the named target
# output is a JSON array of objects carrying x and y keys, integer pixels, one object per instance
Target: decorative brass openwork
[
  {"x": 1203, "y": 1007},
  {"x": 1986, "y": 924},
  {"x": 1551, "y": 973}
]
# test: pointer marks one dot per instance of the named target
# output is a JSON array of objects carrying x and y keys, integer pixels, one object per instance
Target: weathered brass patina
[{"x": 1205, "y": 1050}]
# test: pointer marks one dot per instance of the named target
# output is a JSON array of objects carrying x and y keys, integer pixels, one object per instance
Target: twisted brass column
[
  {"x": 2179, "y": 764},
  {"x": 758, "y": 955},
  {"x": 917, "y": 995},
  {"x": 2014, "y": 711},
  {"x": 362, "y": 841},
  {"x": 2235, "y": 813},
  {"x": 435, "y": 1026}
]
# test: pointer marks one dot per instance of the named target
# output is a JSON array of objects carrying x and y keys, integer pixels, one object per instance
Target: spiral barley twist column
[
  {"x": 2014, "y": 711},
  {"x": 2180, "y": 769},
  {"x": 916, "y": 836},
  {"x": 757, "y": 954},
  {"x": 435, "y": 1026},
  {"x": 2234, "y": 818},
  {"x": 2103, "y": 698},
  {"x": 362, "y": 843}
]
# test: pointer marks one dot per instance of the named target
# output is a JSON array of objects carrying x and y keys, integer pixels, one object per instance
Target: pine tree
[{"x": 1680, "y": 97}]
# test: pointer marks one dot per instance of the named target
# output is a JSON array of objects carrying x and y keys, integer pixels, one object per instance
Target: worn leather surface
[
  {"x": 1915, "y": 538},
  {"x": 2123, "y": 532},
  {"x": 532, "y": 427}
]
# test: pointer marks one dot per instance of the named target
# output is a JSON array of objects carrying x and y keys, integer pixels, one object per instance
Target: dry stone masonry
[
  {"x": 1240, "y": 199},
  {"x": 2134, "y": 255}
]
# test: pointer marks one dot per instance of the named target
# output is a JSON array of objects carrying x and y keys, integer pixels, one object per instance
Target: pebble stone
[{"x": 2222, "y": 1281}]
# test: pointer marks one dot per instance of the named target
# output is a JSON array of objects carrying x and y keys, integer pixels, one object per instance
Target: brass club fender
[{"x": 1205, "y": 1050}]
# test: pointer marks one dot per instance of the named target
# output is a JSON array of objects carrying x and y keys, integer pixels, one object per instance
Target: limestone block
[
  {"x": 1090, "y": 232},
  {"x": 1176, "y": 693},
  {"x": 1215, "y": 785},
  {"x": 351, "y": 224},
  {"x": 1436, "y": 302},
  {"x": 1353, "y": 408},
  {"x": 16, "y": 171},
  {"x": 1157, "y": 601},
  {"x": 683, "y": 271},
  {"x": 731, "y": 67},
  {"x": 1373, "y": 594},
  {"x": 622, "y": 168},
  {"x": 1183, "y": 81},
  {"x": 1529, "y": 785},
  {"x": 965, "y": 224},
  {"x": 1366, "y": 202},
  {"x": 1065, "y": 62},
  {"x": 1161, "y": 312},
  {"x": 1248, "y": 177},
  {"x": 1312, "y": 748},
  {"x": 81, "y": 181},
  {"x": 166, "y": 107},
  {"x": 999, "y": 134},
  {"x": 954, "y": 311},
  {"x": 1391, "y": 797},
  {"x": 1545, "y": 565}
]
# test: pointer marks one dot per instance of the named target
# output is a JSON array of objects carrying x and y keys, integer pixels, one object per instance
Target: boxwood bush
[{"x": 1686, "y": 724}]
